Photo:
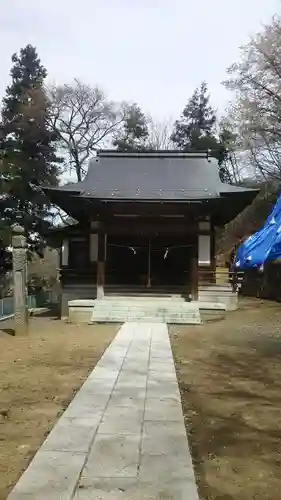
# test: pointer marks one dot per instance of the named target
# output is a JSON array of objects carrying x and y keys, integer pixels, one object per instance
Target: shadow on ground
[{"x": 52, "y": 311}]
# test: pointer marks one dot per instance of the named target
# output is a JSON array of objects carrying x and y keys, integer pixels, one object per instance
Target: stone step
[
  {"x": 119, "y": 311},
  {"x": 160, "y": 310},
  {"x": 147, "y": 297},
  {"x": 181, "y": 320},
  {"x": 152, "y": 319},
  {"x": 216, "y": 289},
  {"x": 126, "y": 289},
  {"x": 139, "y": 307},
  {"x": 142, "y": 311},
  {"x": 173, "y": 302}
]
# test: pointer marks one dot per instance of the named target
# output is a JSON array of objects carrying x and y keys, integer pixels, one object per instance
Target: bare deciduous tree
[
  {"x": 83, "y": 120},
  {"x": 232, "y": 162},
  {"x": 256, "y": 112},
  {"x": 159, "y": 134}
]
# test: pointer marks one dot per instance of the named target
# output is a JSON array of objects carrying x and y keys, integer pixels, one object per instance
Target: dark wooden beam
[
  {"x": 101, "y": 265},
  {"x": 100, "y": 279},
  {"x": 194, "y": 271},
  {"x": 141, "y": 226}
]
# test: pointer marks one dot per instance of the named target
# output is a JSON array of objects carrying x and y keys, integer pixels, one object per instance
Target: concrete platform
[
  {"x": 222, "y": 294},
  {"x": 154, "y": 309},
  {"x": 123, "y": 435},
  {"x": 174, "y": 310}
]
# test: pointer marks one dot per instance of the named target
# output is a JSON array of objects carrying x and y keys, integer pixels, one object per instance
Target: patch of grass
[
  {"x": 230, "y": 380},
  {"x": 39, "y": 375}
]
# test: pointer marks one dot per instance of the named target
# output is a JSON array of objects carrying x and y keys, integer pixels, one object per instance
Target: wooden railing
[
  {"x": 205, "y": 277},
  {"x": 220, "y": 277}
]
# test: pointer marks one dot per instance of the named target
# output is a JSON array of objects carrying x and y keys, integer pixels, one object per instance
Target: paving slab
[
  {"x": 52, "y": 475},
  {"x": 113, "y": 456},
  {"x": 158, "y": 389},
  {"x": 162, "y": 410},
  {"x": 132, "y": 489},
  {"x": 165, "y": 467},
  {"x": 123, "y": 435},
  {"x": 73, "y": 435},
  {"x": 122, "y": 420},
  {"x": 121, "y": 399},
  {"x": 160, "y": 438}
]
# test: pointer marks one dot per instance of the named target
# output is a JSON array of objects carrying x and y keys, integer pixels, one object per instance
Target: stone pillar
[{"x": 20, "y": 280}]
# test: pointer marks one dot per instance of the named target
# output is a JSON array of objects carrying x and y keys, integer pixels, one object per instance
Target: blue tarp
[{"x": 264, "y": 245}]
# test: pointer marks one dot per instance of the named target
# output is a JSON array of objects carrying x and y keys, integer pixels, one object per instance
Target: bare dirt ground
[
  {"x": 39, "y": 375},
  {"x": 230, "y": 380}
]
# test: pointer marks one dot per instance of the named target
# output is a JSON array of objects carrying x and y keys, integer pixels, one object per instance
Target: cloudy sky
[{"x": 154, "y": 52}]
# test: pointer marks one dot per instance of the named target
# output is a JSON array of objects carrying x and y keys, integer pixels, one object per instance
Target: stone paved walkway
[{"x": 123, "y": 435}]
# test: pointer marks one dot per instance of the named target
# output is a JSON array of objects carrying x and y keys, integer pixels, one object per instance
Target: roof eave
[{"x": 60, "y": 190}]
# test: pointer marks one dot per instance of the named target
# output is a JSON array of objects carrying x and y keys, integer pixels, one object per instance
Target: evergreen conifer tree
[
  {"x": 134, "y": 133},
  {"x": 196, "y": 130},
  {"x": 27, "y": 147}
]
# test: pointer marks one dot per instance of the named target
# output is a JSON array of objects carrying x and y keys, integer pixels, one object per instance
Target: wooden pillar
[
  {"x": 64, "y": 255},
  {"x": 100, "y": 279},
  {"x": 213, "y": 253},
  {"x": 101, "y": 265},
  {"x": 194, "y": 271},
  {"x": 149, "y": 264},
  {"x": 206, "y": 253}
]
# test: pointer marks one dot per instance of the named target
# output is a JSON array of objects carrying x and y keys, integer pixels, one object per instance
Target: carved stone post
[{"x": 20, "y": 280}]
